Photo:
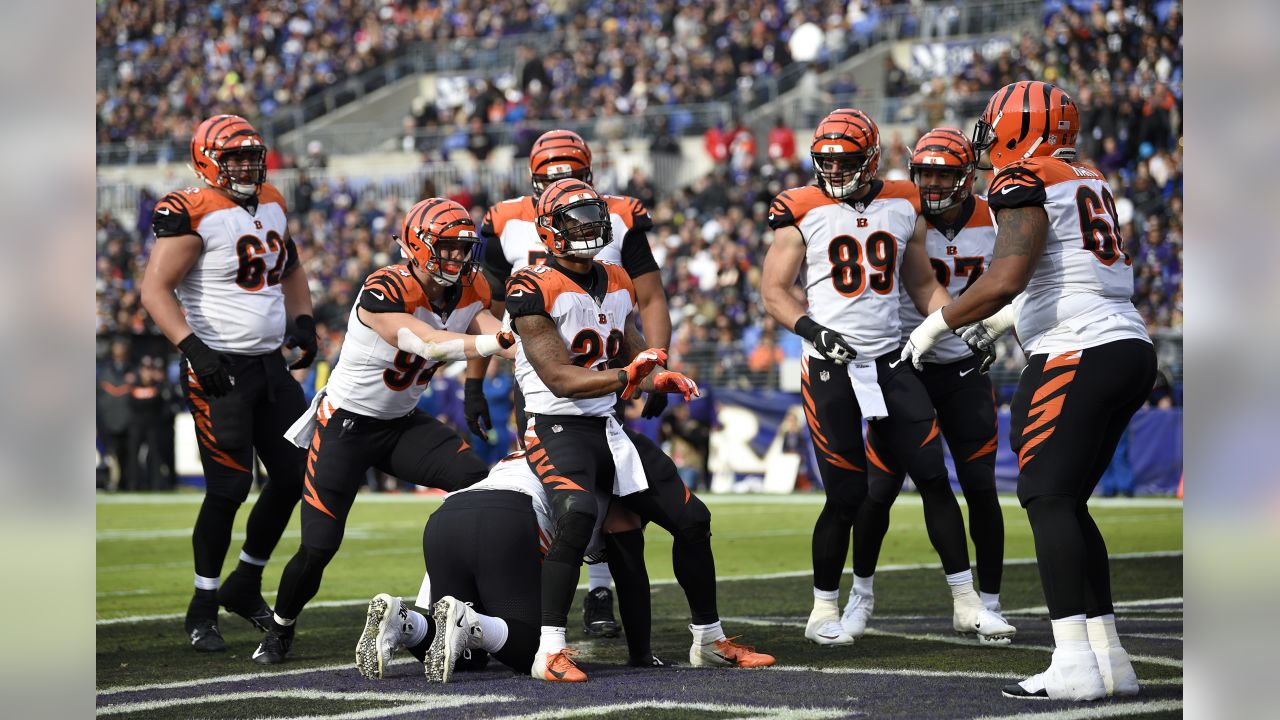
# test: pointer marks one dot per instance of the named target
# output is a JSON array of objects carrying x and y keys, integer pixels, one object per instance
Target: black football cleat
[
  {"x": 205, "y": 636},
  {"x": 243, "y": 596},
  {"x": 597, "y": 614},
  {"x": 274, "y": 648}
]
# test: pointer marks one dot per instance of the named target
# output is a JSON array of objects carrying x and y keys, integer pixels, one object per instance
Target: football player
[
  {"x": 1061, "y": 278},
  {"x": 407, "y": 321},
  {"x": 857, "y": 238},
  {"x": 958, "y": 240},
  {"x": 491, "y": 592},
  {"x": 512, "y": 242},
  {"x": 573, "y": 315},
  {"x": 225, "y": 250}
]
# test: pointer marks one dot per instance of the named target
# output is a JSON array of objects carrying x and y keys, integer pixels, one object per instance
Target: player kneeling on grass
[{"x": 406, "y": 323}]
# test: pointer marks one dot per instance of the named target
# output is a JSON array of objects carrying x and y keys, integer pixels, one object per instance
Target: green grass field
[{"x": 144, "y": 577}]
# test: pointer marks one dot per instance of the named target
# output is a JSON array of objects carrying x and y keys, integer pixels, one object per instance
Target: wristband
[{"x": 487, "y": 345}]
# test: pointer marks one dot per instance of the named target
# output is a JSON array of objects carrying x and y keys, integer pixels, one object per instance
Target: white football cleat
[
  {"x": 971, "y": 617},
  {"x": 1117, "y": 672},
  {"x": 857, "y": 612},
  {"x": 457, "y": 628},
  {"x": 380, "y": 640},
  {"x": 1072, "y": 675},
  {"x": 824, "y": 628}
]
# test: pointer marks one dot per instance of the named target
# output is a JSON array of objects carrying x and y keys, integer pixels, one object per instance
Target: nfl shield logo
[
  {"x": 557, "y": 428},
  {"x": 824, "y": 376}
]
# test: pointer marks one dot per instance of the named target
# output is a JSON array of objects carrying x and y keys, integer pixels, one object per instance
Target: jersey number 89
[{"x": 847, "y": 273}]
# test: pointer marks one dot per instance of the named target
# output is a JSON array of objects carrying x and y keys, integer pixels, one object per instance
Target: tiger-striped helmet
[
  {"x": 845, "y": 152},
  {"x": 942, "y": 166},
  {"x": 558, "y": 154},
  {"x": 228, "y": 153},
  {"x": 440, "y": 239},
  {"x": 573, "y": 220},
  {"x": 1027, "y": 119}
]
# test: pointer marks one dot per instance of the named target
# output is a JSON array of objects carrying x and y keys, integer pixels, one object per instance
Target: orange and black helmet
[
  {"x": 845, "y": 152},
  {"x": 440, "y": 239},
  {"x": 228, "y": 153},
  {"x": 948, "y": 150},
  {"x": 573, "y": 220},
  {"x": 558, "y": 154},
  {"x": 1027, "y": 119}
]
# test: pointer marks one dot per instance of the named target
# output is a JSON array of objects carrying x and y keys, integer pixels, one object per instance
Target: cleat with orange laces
[
  {"x": 727, "y": 653},
  {"x": 559, "y": 667}
]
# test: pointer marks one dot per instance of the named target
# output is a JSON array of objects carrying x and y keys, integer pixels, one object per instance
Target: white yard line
[
  {"x": 419, "y": 701},
  {"x": 1098, "y": 711},
  {"x": 1147, "y": 605},
  {"x": 731, "y": 578},
  {"x": 748, "y": 710}
]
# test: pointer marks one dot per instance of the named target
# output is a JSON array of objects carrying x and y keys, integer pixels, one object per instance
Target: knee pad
[{"x": 573, "y": 531}]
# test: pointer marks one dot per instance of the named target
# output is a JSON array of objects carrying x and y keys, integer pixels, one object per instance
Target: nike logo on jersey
[
  {"x": 163, "y": 211},
  {"x": 895, "y": 363},
  {"x": 965, "y": 372},
  {"x": 377, "y": 294}
]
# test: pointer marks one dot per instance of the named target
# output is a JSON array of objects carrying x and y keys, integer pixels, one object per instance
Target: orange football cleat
[
  {"x": 559, "y": 667},
  {"x": 727, "y": 653}
]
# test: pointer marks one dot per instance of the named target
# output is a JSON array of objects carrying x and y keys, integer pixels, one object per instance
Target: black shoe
[
  {"x": 205, "y": 636},
  {"x": 597, "y": 614},
  {"x": 275, "y": 645},
  {"x": 653, "y": 661},
  {"x": 243, "y": 596}
]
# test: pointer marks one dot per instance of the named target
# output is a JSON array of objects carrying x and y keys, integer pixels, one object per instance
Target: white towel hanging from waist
[
  {"x": 299, "y": 433},
  {"x": 629, "y": 474},
  {"x": 866, "y": 387}
]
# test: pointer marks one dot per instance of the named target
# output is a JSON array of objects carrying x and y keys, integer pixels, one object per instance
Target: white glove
[
  {"x": 924, "y": 337},
  {"x": 982, "y": 335}
]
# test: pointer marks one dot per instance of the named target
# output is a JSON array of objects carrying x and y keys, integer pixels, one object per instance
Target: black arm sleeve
[
  {"x": 291, "y": 256},
  {"x": 637, "y": 257}
]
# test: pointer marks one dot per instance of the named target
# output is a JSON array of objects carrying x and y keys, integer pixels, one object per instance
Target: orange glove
[
  {"x": 667, "y": 381},
  {"x": 639, "y": 369}
]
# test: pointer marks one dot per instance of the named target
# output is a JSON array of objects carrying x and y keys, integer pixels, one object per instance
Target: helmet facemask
[
  {"x": 448, "y": 260},
  {"x": 840, "y": 173},
  {"x": 580, "y": 230},
  {"x": 241, "y": 170},
  {"x": 936, "y": 198}
]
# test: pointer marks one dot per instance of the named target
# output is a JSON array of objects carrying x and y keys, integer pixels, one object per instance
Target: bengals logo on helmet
[
  {"x": 948, "y": 150},
  {"x": 228, "y": 153},
  {"x": 845, "y": 152},
  {"x": 1027, "y": 119},
  {"x": 440, "y": 238},
  {"x": 573, "y": 220},
  {"x": 559, "y": 154}
]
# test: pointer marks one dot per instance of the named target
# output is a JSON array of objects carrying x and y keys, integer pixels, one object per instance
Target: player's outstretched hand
[{"x": 640, "y": 367}]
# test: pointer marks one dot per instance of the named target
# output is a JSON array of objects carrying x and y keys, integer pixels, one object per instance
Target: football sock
[
  {"x": 1070, "y": 633},
  {"x": 598, "y": 576},
  {"x": 1102, "y": 632},
  {"x": 300, "y": 580},
  {"x": 550, "y": 640},
  {"x": 826, "y": 600},
  {"x": 862, "y": 585},
  {"x": 522, "y": 644},
  {"x": 206, "y": 583},
  {"x": 707, "y": 634},
  {"x": 1060, "y": 554},
  {"x": 419, "y": 649},
  {"x": 270, "y": 515},
  {"x": 868, "y": 535},
  {"x": 414, "y": 630},
  {"x": 203, "y": 606},
  {"x": 282, "y": 622},
  {"x": 1097, "y": 566},
  {"x": 559, "y": 581},
  {"x": 211, "y": 535},
  {"x": 986, "y": 527},
  {"x": 250, "y": 566},
  {"x": 695, "y": 570},
  {"x": 495, "y": 632},
  {"x": 961, "y": 583},
  {"x": 945, "y": 524},
  {"x": 626, "y": 555},
  {"x": 990, "y": 601}
]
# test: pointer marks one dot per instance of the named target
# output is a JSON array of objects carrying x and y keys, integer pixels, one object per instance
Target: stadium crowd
[{"x": 709, "y": 238}]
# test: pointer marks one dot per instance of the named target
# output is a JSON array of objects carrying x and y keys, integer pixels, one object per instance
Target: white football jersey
[
  {"x": 232, "y": 295},
  {"x": 1080, "y": 294},
  {"x": 513, "y": 473},
  {"x": 590, "y": 324},
  {"x": 959, "y": 254},
  {"x": 374, "y": 377},
  {"x": 853, "y": 251},
  {"x": 511, "y": 224}
]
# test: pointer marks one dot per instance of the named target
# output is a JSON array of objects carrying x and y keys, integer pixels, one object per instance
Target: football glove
[
  {"x": 666, "y": 381},
  {"x": 304, "y": 337},
  {"x": 982, "y": 335},
  {"x": 639, "y": 368},
  {"x": 654, "y": 405},
  {"x": 476, "y": 408},
  {"x": 923, "y": 338},
  {"x": 830, "y": 343},
  {"x": 211, "y": 368}
]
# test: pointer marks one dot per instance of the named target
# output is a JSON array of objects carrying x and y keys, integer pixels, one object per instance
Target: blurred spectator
[
  {"x": 155, "y": 404},
  {"x": 116, "y": 380},
  {"x": 690, "y": 440},
  {"x": 479, "y": 142},
  {"x": 781, "y": 142}
]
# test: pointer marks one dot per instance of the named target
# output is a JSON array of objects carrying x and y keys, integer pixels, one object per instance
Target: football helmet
[
  {"x": 558, "y": 154},
  {"x": 440, "y": 239},
  {"x": 573, "y": 220},
  {"x": 228, "y": 153},
  {"x": 845, "y": 152},
  {"x": 946, "y": 150},
  {"x": 1027, "y": 119}
]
